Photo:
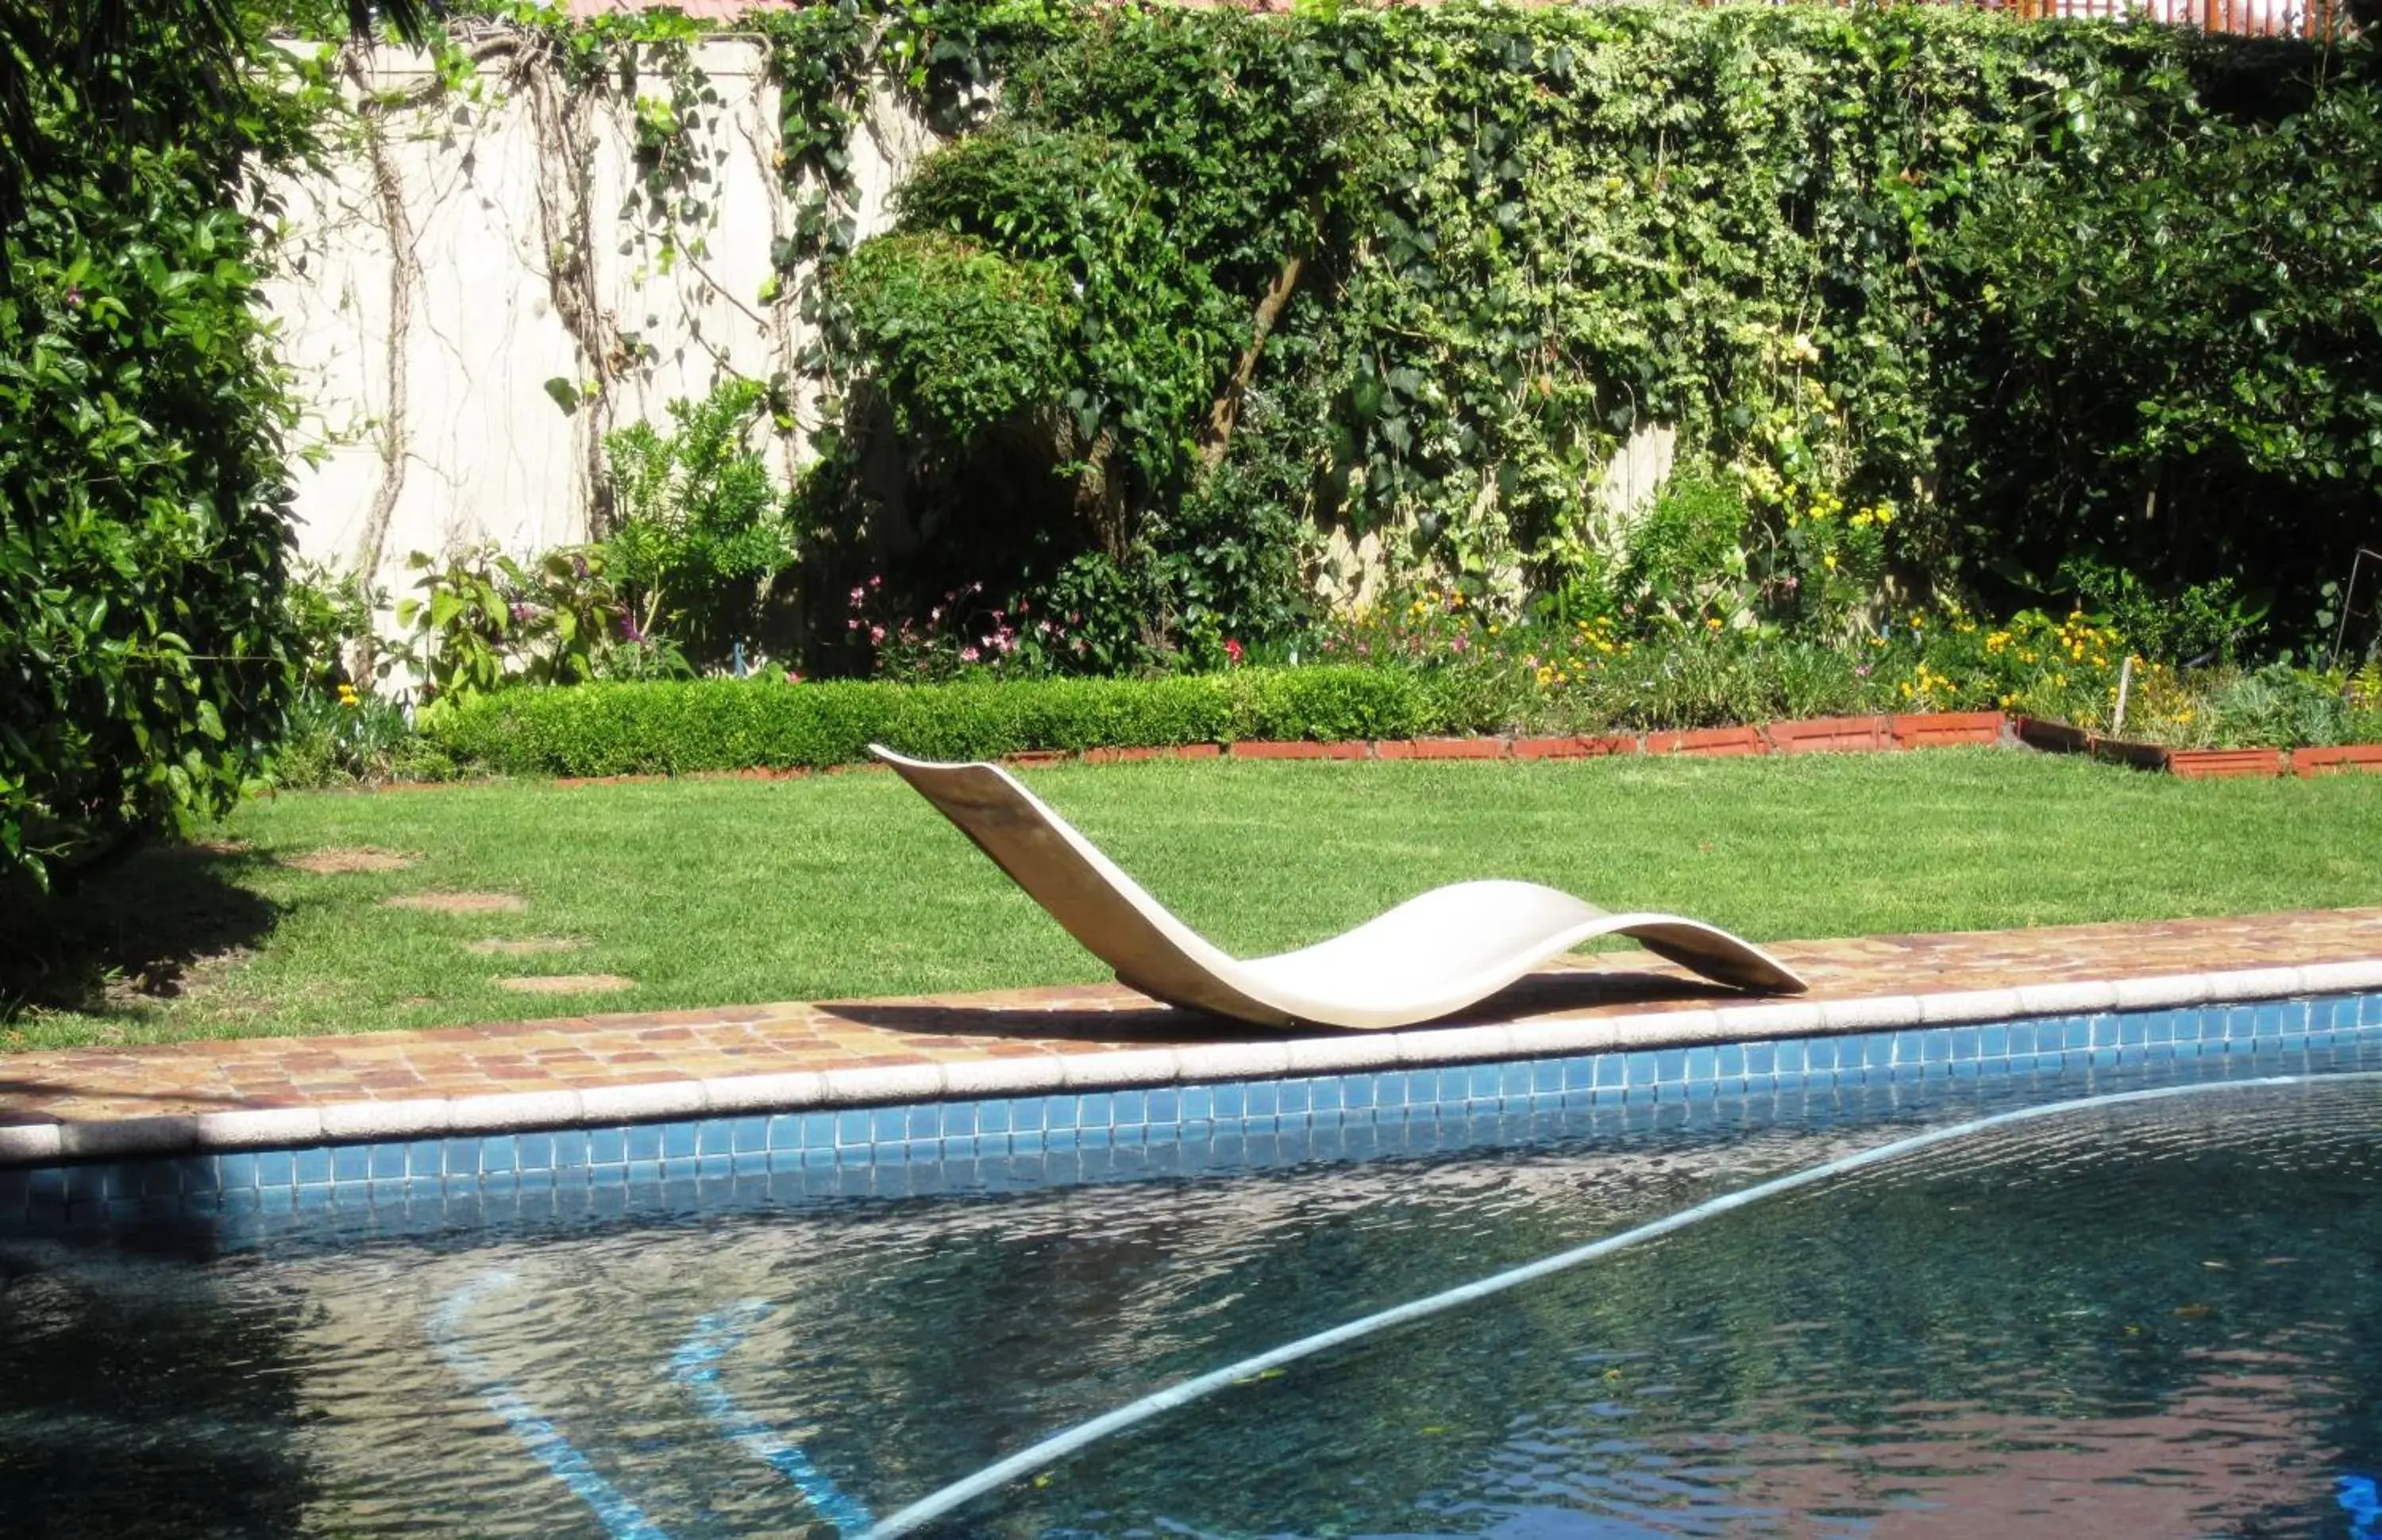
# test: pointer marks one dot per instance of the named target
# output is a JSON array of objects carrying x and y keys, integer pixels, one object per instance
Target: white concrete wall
[{"x": 454, "y": 418}]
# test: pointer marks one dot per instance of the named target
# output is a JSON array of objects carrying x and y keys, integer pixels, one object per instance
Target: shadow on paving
[
  {"x": 1544, "y": 993},
  {"x": 131, "y": 934}
]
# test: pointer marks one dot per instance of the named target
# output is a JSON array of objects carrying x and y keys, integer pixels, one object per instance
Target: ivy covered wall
[
  {"x": 1196, "y": 313},
  {"x": 1938, "y": 304}
]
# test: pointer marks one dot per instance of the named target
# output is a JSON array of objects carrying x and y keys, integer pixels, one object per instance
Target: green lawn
[{"x": 713, "y": 892}]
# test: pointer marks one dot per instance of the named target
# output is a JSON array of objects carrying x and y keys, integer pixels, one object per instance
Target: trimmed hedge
[{"x": 617, "y": 730}]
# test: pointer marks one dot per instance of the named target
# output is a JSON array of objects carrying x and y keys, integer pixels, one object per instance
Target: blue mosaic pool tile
[{"x": 425, "y": 1185}]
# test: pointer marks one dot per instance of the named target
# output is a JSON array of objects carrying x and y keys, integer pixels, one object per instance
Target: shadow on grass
[
  {"x": 1556, "y": 991},
  {"x": 131, "y": 934}
]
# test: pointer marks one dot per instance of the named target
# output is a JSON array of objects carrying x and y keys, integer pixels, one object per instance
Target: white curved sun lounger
[{"x": 1430, "y": 957}]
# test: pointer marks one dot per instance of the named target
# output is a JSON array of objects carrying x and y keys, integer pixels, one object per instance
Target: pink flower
[
  {"x": 877, "y": 634},
  {"x": 1458, "y": 645},
  {"x": 792, "y": 677},
  {"x": 877, "y": 582},
  {"x": 968, "y": 654},
  {"x": 858, "y": 595},
  {"x": 852, "y": 624},
  {"x": 1233, "y": 652}
]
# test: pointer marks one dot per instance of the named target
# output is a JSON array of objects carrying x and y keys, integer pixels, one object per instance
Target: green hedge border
[{"x": 712, "y": 725}]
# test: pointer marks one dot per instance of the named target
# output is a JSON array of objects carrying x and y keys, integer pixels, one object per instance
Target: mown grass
[{"x": 713, "y": 892}]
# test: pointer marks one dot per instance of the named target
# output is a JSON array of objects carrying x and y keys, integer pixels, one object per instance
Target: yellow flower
[
  {"x": 1831, "y": 559},
  {"x": 1712, "y": 622}
]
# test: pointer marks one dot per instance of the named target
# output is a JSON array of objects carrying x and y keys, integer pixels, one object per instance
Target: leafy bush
[
  {"x": 2277, "y": 707},
  {"x": 698, "y": 528},
  {"x": 963, "y": 338},
  {"x": 485, "y": 620},
  {"x": 145, "y": 653}
]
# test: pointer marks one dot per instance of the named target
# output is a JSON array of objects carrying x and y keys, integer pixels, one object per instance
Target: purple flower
[
  {"x": 74, "y": 297},
  {"x": 629, "y": 631}
]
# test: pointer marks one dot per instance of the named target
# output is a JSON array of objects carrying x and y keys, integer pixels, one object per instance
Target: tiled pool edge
[
  {"x": 393, "y": 1124},
  {"x": 1068, "y": 1136}
]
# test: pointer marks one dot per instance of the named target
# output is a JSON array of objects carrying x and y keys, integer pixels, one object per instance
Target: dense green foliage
[
  {"x": 144, "y": 651},
  {"x": 697, "y": 530},
  {"x": 1952, "y": 306}
]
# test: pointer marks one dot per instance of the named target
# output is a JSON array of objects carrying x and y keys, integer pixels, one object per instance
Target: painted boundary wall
[{"x": 463, "y": 246}]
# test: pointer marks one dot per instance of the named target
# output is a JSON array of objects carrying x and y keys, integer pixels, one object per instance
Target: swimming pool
[{"x": 2142, "y": 1318}]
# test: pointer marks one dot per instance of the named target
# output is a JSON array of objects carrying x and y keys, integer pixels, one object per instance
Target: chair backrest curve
[{"x": 1113, "y": 916}]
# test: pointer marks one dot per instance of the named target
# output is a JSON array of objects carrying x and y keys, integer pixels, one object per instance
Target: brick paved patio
[{"x": 1033, "y": 1035}]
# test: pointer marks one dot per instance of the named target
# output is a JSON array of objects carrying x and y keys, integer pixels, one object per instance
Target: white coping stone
[
  {"x": 401, "y": 1119},
  {"x": 1783, "y": 1019},
  {"x": 2254, "y": 984},
  {"x": 2322, "y": 977},
  {"x": 645, "y": 1102},
  {"x": 1701, "y": 1025},
  {"x": 172, "y": 1133},
  {"x": 260, "y": 1128},
  {"x": 503, "y": 1111},
  {"x": 883, "y": 1082},
  {"x": 1587, "y": 1036},
  {"x": 2070, "y": 997},
  {"x": 1957, "y": 1006},
  {"x": 1232, "y": 1060},
  {"x": 788, "y": 1092},
  {"x": 1454, "y": 1044},
  {"x": 1000, "y": 1077},
  {"x": 1877, "y": 1013},
  {"x": 23, "y": 1143},
  {"x": 2163, "y": 994},
  {"x": 1367, "y": 1050},
  {"x": 1121, "y": 1067}
]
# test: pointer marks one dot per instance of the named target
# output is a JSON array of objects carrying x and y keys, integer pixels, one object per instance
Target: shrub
[
  {"x": 607, "y": 729},
  {"x": 963, "y": 338},
  {"x": 145, "y": 655},
  {"x": 483, "y": 619},
  {"x": 697, "y": 529}
]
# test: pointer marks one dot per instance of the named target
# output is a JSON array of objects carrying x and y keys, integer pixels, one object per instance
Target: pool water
[{"x": 2150, "y": 1320}]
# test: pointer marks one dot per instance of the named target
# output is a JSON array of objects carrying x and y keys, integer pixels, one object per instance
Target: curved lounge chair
[{"x": 1431, "y": 956}]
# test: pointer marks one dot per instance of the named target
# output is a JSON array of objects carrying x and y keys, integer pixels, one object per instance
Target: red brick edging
[{"x": 2200, "y": 765}]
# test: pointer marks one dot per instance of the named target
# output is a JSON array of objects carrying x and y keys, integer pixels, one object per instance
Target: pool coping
[{"x": 333, "y": 1122}]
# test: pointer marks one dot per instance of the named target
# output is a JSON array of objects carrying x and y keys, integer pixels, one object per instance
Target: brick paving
[{"x": 105, "y": 1085}]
